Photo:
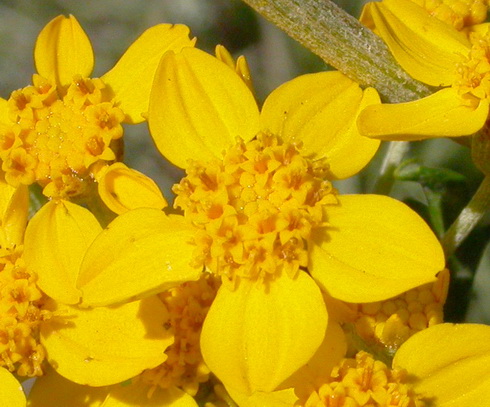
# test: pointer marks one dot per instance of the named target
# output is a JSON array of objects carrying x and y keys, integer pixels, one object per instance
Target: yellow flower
[
  {"x": 437, "y": 54},
  {"x": 442, "y": 366},
  {"x": 41, "y": 275},
  {"x": 33, "y": 327},
  {"x": 172, "y": 383},
  {"x": 258, "y": 211},
  {"x": 60, "y": 129},
  {"x": 11, "y": 393},
  {"x": 266, "y": 217},
  {"x": 103, "y": 345}
]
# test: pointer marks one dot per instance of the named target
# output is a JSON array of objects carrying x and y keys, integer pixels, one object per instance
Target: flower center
[
  {"x": 458, "y": 13},
  {"x": 53, "y": 135},
  {"x": 20, "y": 316},
  {"x": 255, "y": 209},
  {"x": 364, "y": 381},
  {"x": 473, "y": 72},
  {"x": 188, "y": 305},
  {"x": 390, "y": 323}
]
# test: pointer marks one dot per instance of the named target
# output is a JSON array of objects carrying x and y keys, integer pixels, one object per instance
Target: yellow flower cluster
[
  {"x": 21, "y": 313},
  {"x": 56, "y": 134},
  {"x": 257, "y": 208},
  {"x": 184, "y": 368},
  {"x": 391, "y": 322},
  {"x": 262, "y": 285},
  {"x": 365, "y": 382}
]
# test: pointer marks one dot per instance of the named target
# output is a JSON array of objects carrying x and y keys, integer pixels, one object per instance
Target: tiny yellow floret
[
  {"x": 364, "y": 382},
  {"x": 256, "y": 208},
  {"x": 391, "y": 322},
  {"x": 21, "y": 314},
  {"x": 473, "y": 72},
  {"x": 188, "y": 305}
]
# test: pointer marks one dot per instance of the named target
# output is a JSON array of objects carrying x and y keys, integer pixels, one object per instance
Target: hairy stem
[{"x": 341, "y": 41}]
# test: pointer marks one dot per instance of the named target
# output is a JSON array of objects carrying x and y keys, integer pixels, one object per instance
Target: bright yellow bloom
[
  {"x": 458, "y": 13},
  {"x": 59, "y": 130},
  {"x": 442, "y": 366},
  {"x": 437, "y": 54},
  {"x": 172, "y": 383},
  {"x": 11, "y": 393},
  {"x": 259, "y": 196},
  {"x": 259, "y": 209}
]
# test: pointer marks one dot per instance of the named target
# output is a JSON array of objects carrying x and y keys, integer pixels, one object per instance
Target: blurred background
[{"x": 274, "y": 58}]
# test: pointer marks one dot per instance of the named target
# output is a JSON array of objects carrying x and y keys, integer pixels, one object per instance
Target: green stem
[
  {"x": 434, "y": 203},
  {"x": 341, "y": 41},
  {"x": 468, "y": 218},
  {"x": 391, "y": 160}
]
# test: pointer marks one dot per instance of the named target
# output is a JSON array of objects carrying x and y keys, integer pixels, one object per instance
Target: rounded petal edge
[
  {"x": 198, "y": 107},
  {"x": 63, "y": 50}
]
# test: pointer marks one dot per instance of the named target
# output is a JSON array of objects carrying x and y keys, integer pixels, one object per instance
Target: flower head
[
  {"x": 387, "y": 324},
  {"x": 62, "y": 128},
  {"x": 438, "y": 366},
  {"x": 437, "y": 54},
  {"x": 258, "y": 194}
]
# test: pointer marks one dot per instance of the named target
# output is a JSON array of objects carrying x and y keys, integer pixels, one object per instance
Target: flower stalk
[
  {"x": 468, "y": 218},
  {"x": 341, "y": 41}
]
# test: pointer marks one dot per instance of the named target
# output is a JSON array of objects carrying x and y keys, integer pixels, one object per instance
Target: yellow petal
[
  {"x": 450, "y": 362},
  {"x": 427, "y": 48},
  {"x": 240, "y": 67},
  {"x": 278, "y": 398},
  {"x": 56, "y": 240},
  {"x": 107, "y": 345},
  {"x": 14, "y": 204},
  {"x": 198, "y": 107},
  {"x": 481, "y": 29},
  {"x": 441, "y": 114},
  {"x": 253, "y": 339},
  {"x": 63, "y": 50},
  {"x": 320, "y": 110},
  {"x": 136, "y": 394},
  {"x": 141, "y": 252},
  {"x": 4, "y": 112},
  {"x": 131, "y": 77},
  {"x": 122, "y": 189},
  {"x": 11, "y": 393},
  {"x": 328, "y": 355},
  {"x": 374, "y": 248},
  {"x": 53, "y": 390}
]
